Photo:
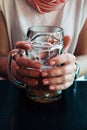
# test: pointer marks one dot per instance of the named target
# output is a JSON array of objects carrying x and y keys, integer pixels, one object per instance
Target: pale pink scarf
[{"x": 45, "y": 6}]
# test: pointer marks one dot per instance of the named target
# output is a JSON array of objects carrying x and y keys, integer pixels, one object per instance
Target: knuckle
[
  {"x": 64, "y": 79},
  {"x": 64, "y": 70},
  {"x": 64, "y": 86},
  {"x": 70, "y": 57},
  {"x": 51, "y": 72}
]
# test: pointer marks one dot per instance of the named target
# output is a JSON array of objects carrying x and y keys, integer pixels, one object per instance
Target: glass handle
[{"x": 12, "y": 56}]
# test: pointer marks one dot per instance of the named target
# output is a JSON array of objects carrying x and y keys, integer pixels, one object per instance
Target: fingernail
[
  {"x": 17, "y": 67},
  {"x": 44, "y": 74},
  {"x": 45, "y": 82},
  {"x": 51, "y": 87},
  {"x": 52, "y": 63}
]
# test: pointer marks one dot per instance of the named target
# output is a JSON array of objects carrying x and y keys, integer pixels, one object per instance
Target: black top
[{"x": 18, "y": 112}]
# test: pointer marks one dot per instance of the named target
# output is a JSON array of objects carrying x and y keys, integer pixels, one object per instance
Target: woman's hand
[
  {"x": 21, "y": 67},
  {"x": 62, "y": 76}
]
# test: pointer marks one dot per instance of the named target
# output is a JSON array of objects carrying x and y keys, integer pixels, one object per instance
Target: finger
[
  {"x": 60, "y": 86},
  {"x": 59, "y": 71},
  {"x": 59, "y": 80},
  {"x": 65, "y": 58},
  {"x": 23, "y": 45},
  {"x": 27, "y": 72},
  {"x": 26, "y": 62},
  {"x": 28, "y": 81},
  {"x": 67, "y": 40}
]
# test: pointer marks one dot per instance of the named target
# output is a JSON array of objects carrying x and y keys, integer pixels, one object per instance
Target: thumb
[{"x": 67, "y": 40}]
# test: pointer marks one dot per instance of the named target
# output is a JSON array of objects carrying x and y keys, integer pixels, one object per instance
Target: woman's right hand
[{"x": 21, "y": 67}]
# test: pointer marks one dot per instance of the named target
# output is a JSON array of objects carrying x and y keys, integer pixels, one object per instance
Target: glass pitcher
[{"x": 46, "y": 42}]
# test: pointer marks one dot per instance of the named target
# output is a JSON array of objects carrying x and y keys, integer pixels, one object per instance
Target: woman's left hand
[{"x": 62, "y": 76}]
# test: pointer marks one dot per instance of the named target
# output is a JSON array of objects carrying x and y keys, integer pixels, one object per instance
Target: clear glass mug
[{"x": 46, "y": 42}]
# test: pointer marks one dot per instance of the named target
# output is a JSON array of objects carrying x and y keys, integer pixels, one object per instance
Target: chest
[{"x": 26, "y": 16}]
